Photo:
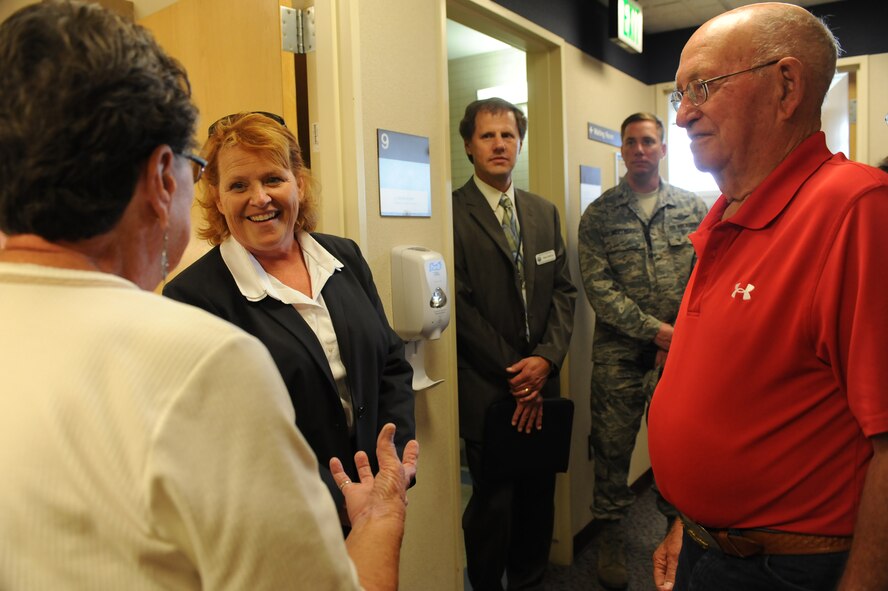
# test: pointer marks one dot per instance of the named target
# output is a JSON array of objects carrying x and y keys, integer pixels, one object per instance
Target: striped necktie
[{"x": 510, "y": 227}]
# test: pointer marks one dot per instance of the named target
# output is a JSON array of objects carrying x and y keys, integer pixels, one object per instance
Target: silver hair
[{"x": 800, "y": 34}]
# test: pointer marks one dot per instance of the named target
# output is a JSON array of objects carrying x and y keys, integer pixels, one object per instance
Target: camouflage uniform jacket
[{"x": 634, "y": 272}]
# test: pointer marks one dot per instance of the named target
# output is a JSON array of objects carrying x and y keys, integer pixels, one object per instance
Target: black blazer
[
  {"x": 379, "y": 377},
  {"x": 489, "y": 311}
]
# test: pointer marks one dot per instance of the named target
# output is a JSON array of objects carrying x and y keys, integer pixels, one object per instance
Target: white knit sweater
[{"x": 145, "y": 444}]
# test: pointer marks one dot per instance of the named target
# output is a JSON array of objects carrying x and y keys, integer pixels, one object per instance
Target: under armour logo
[{"x": 744, "y": 290}]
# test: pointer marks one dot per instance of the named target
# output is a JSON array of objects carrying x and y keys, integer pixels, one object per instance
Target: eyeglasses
[
  {"x": 698, "y": 90},
  {"x": 198, "y": 165},
  {"x": 227, "y": 119}
]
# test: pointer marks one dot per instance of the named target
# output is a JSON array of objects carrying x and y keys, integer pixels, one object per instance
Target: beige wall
[
  {"x": 603, "y": 95},
  {"x": 401, "y": 80},
  {"x": 878, "y": 108}
]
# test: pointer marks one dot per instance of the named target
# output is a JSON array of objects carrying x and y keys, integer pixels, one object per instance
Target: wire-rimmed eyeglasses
[
  {"x": 698, "y": 90},
  {"x": 198, "y": 165}
]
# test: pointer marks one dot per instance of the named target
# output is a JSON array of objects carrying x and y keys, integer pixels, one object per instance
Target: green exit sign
[{"x": 626, "y": 21}]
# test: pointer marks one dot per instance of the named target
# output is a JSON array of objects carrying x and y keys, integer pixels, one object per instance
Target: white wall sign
[
  {"x": 590, "y": 185},
  {"x": 405, "y": 175}
]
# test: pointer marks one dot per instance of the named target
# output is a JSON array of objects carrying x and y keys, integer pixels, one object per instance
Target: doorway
[
  {"x": 480, "y": 67},
  {"x": 524, "y": 66}
]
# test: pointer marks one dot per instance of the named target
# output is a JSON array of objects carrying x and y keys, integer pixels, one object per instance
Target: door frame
[{"x": 547, "y": 160}]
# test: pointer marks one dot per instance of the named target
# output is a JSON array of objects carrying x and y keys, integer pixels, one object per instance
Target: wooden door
[{"x": 232, "y": 52}]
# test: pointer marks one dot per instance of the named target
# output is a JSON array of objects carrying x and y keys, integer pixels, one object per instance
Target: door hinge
[{"x": 298, "y": 29}]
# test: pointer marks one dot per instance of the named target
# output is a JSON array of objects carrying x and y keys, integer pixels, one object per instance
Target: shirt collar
[
  {"x": 492, "y": 194},
  {"x": 774, "y": 193},
  {"x": 255, "y": 284},
  {"x": 627, "y": 194}
]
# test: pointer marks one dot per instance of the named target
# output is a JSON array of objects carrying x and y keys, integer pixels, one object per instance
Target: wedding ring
[{"x": 344, "y": 483}]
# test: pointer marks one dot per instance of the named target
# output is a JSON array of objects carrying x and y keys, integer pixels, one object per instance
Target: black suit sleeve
[
  {"x": 478, "y": 339},
  {"x": 555, "y": 341},
  {"x": 396, "y": 398}
]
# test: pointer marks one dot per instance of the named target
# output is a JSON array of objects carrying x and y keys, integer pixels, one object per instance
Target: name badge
[{"x": 545, "y": 257}]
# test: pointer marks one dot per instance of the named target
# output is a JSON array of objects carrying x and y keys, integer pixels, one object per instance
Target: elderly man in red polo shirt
[{"x": 768, "y": 428}]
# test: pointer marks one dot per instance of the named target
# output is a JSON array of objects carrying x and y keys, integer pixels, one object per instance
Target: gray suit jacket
[{"x": 490, "y": 317}]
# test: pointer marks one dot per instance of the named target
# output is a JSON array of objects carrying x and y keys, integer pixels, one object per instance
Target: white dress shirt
[
  {"x": 493, "y": 198},
  {"x": 255, "y": 284}
]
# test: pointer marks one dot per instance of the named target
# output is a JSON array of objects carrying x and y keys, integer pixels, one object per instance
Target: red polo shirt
[{"x": 778, "y": 369}]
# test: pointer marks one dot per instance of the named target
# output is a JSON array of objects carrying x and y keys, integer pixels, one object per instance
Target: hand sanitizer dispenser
[{"x": 420, "y": 303}]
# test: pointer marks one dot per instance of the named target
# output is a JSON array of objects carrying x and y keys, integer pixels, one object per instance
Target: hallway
[{"x": 644, "y": 530}]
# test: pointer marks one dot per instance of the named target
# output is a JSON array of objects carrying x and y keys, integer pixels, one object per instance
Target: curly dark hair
[{"x": 87, "y": 96}]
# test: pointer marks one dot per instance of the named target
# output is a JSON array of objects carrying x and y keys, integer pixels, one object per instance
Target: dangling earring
[{"x": 164, "y": 260}]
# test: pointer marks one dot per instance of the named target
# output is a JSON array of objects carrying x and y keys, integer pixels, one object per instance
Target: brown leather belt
[{"x": 744, "y": 543}]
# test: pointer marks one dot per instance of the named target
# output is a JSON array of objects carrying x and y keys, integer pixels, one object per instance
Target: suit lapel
[
  {"x": 334, "y": 298},
  {"x": 480, "y": 211},
  {"x": 287, "y": 316},
  {"x": 337, "y": 294}
]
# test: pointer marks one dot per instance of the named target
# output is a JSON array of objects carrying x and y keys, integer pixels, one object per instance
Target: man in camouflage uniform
[{"x": 635, "y": 260}]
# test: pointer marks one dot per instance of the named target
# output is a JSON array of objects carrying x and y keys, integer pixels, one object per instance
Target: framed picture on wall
[
  {"x": 405, "y": 181},
  {"x": 619, "y": 167}
]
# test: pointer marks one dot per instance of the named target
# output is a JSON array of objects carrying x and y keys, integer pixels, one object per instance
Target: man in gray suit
[{"x": 514, "y": 315}]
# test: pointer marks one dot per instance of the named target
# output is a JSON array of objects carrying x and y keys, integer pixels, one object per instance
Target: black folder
[{"x": 508, "y": 452}]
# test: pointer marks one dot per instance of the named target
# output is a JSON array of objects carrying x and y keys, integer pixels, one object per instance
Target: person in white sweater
[{"x": 144, "y": 444}]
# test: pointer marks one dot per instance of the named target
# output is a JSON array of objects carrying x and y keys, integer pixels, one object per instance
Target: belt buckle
[{"x": 699, "y": 534}]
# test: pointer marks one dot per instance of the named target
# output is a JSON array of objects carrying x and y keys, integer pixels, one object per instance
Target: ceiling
[
  {"x": 659, "y": 16},
  {"x": 463, "y": 41},
  {"x": 669, "y": 15}
]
